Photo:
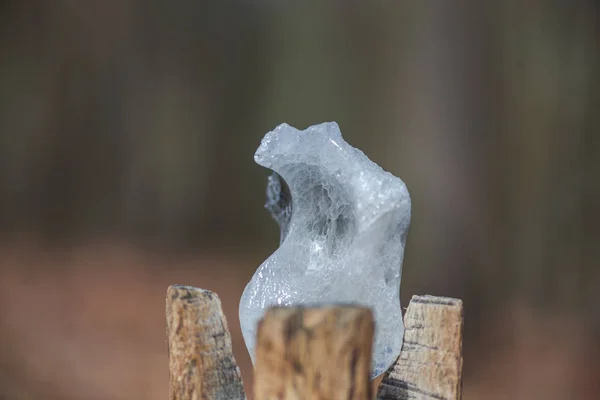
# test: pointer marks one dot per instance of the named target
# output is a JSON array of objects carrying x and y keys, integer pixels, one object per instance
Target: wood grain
[
  {"x": 430, "y": 364},
  {"x": 314, "y": 353},
  {"x": 201, "y": 362}
]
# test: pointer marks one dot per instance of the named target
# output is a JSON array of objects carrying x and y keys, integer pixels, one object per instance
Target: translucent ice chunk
[{"x": 343, "y": 224}]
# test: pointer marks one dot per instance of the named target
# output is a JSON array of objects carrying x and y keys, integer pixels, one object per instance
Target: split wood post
[
  {"x": 314, "y": 353},
  {"x": 201, "y": 363},
  {"x": 430, "y": 364}
]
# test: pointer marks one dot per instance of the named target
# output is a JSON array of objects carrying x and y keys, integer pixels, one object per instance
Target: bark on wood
[
  {"x": 314, "y": 353},
  {"x": 201, "y": 363},
  {"x": 430, "y": 364}
]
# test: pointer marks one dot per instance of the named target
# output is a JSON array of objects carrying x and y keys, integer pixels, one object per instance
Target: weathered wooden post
[
  {"x": 430, "y": 364},
  {"x": 314, "y": 353},
  {"x": 201, "y": 363}
]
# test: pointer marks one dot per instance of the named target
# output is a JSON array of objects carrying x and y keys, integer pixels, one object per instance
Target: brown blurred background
[{"x": 127, "y": 134}]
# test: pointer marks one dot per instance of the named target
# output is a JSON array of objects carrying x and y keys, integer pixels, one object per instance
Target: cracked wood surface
[
  {"x": 314, "y": 353},
  {"x": 201, "y": 363},
  {"x": 430, "y": 364}
]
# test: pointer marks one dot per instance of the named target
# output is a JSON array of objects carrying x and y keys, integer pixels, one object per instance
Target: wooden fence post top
[
  {"x": 430, "y": 364},
  {"x": 314, "y": 353},
  {"x": 321, "y": 353},
  {"x": 201, "y": 363}
]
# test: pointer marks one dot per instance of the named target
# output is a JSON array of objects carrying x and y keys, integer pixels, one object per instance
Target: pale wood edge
[
  {"x": 201, "y": 361},
  {"x": 430, "y": 363}
]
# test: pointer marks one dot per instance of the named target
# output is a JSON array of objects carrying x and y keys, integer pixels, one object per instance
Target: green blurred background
[{"x": 127, "y": 134}]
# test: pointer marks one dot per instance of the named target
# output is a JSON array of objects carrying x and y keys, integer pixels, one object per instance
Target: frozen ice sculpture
[{"x": 343, "y": 224}]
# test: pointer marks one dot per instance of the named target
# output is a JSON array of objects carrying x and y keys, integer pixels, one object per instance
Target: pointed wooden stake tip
[{"x": 201, "y": 362}]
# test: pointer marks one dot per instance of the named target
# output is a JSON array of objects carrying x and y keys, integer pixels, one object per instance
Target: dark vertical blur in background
[{"x": 127, "y": 133}]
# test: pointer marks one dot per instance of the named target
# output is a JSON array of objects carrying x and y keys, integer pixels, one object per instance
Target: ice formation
[{"x": 343, "y": 224}]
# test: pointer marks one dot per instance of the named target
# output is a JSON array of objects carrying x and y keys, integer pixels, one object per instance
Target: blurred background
[{"x": 127, "y": 134}]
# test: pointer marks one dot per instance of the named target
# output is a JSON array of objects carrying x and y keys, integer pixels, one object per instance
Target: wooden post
[
  {"x": 201, "y": 363},
  {"x": 430, "y": 364},
  {"x": 314, "y": 353}
]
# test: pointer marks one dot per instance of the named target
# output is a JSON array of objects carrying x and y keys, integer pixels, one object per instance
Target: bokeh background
[{"x": 127, "y": 134}]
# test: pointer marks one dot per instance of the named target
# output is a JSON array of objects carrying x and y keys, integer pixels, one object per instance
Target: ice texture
[{"x": 343, "y": 222}]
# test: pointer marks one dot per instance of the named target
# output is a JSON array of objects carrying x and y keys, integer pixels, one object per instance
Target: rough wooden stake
[
  {"x": 430, "y": 364},
  {"x": 314, "y": 353},
  {"x": 201, "y": 363}
]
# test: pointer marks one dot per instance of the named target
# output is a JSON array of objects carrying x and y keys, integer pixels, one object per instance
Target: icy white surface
[{"x": 343, "y": 224}]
